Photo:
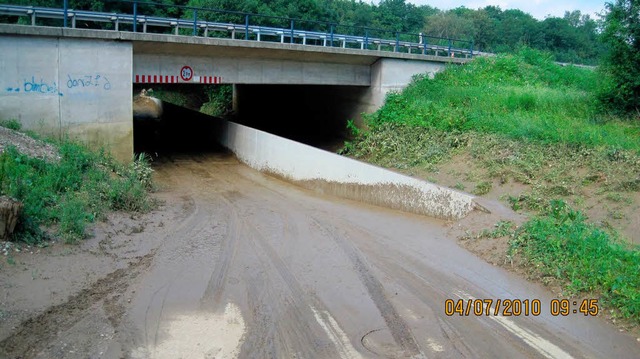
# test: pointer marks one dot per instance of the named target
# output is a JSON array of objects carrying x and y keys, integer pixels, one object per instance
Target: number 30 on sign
[{"x": 186, "y": 73}]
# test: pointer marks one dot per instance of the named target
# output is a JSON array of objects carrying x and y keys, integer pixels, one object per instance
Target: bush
[{"x": 622, "y": 34}]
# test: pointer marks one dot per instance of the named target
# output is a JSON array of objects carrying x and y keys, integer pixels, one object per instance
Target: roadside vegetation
[
  {"x": 212, "y": 100},
  {"x": 523, "y": 130},
  {"x": 61, "y": 197}
]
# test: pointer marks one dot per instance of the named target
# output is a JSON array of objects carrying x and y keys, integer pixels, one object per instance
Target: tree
[
  {"x": 449, "y": 25},
  {"x": 622, "y": 34}
]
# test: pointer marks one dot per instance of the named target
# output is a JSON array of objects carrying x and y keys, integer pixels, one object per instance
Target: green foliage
[
  {"x": 11, "y": 124},
  {"x": 220, "y": 100},
  {"x": 72, "y": 192},
  {"x": 622, "y": 34},
  {"x": 522, "y": 96},
  {"x": 561, "y": 244}
]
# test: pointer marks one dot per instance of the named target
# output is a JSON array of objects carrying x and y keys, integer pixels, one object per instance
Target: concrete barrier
[{"x": 329, "y": 173}]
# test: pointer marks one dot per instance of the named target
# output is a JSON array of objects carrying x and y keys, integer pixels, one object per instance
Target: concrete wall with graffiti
[{"x": 75, "y": 87}]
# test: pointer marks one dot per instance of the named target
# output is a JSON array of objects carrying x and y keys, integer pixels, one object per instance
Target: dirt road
[{"x": 244, "y": 265}]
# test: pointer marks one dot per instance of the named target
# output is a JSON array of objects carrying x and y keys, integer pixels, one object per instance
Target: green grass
[
  {"x": 523, "y": 96},
  {"x": 73, "y": 192},
  {"x": 586, "y": 259}
]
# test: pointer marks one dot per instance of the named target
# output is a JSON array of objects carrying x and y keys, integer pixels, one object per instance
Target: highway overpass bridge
[{"x": 60, "y": 81}]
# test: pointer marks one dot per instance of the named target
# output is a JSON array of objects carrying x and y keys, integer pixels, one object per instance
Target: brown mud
[{"x": 239, "y": 264}]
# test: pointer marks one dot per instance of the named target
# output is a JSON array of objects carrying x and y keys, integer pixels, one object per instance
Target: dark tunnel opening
[
  {"x": 315, "y": 115},
  {"x": 178, "y": 130}
]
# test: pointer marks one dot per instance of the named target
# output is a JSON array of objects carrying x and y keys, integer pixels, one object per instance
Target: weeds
[
  {"x": 560, "y": 243},
  {"x": 11, "y": 124},
  {"x": 73, "y": 192}
]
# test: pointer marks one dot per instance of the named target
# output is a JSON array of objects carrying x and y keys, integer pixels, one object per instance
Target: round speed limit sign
[{"x": 186, "y": 73}]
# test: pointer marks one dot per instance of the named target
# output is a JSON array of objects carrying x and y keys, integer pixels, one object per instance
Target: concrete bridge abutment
[{"x": 69, "y": 87}]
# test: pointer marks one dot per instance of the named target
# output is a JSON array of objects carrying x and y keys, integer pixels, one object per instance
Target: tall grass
[
  {"x": 521, "y": 96},
  {"x": 72, "y": 192},
  {"x": 562, "y": 244}
]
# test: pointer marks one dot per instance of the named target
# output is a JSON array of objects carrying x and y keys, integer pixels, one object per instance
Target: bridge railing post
[
  {"x": 246, "y": 27},
  {"x": 66, "y": 12},
  {"x": 291, "y": 39},
  {"x": 366, "y": 39},
  {"x": 449, "y": 50},
  {"x": 195, "y": 22},
  {"x": 397, "y": 41},
  {"x": 135, "y": 16},
  {"x": 331, "y": 27}
]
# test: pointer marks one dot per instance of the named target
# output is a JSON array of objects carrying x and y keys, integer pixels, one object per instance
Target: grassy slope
[
  {"x": 522, "y": 97},
  {"x": 72, "y": 192},
  {"x": 522, "y": 119}
]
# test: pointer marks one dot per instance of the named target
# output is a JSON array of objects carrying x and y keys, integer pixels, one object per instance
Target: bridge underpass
[
  {"x": 82, "y": 80},
  {"x": 310, "y": 276},
  {"x": 316, "y": 115}
]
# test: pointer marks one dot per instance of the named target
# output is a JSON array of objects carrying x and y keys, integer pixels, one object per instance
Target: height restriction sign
[{"x": 186, "y": 73}]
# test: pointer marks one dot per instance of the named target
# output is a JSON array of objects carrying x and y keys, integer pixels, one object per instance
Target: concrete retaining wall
[
  {"x": 333, "y": 174},
  {"x": 64, "y": 86}
]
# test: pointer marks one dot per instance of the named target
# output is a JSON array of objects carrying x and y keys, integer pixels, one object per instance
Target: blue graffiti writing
[
  {"x": 40, "y": 86},
  {"x": 13, "y": 89},
  {"x": 91, "y": 81}
]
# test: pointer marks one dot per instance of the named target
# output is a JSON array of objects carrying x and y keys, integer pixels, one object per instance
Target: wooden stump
[{"x": 9, "y": 213}]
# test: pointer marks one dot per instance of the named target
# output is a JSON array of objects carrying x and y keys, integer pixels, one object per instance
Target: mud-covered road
[{"x": 252, "y": 267}]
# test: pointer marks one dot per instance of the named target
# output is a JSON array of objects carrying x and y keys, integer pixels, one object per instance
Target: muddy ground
[{"x": 238, "y": 264}]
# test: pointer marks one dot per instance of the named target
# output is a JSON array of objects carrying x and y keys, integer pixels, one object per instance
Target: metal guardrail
[{"x": 426, "y": 45}]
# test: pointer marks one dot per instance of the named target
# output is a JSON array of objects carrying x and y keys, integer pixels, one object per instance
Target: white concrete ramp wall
[
  {"x": 333, "y": 174},
  {"x": 63, "y": 86}
]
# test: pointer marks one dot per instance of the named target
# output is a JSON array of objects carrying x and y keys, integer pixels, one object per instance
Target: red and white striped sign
[
  {"x": 156, "y": 79},
  {"x": 208, "y": 79},
  {"x": 165, "y": 79}
]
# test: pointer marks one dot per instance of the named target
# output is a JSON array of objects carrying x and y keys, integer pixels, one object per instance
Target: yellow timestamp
[{"x": 518, "y": 307}]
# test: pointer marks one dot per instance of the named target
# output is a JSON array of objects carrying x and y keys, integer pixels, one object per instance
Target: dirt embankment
[{"x": 27, "y": 145}]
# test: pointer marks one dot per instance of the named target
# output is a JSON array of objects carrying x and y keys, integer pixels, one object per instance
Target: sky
[{"x": 539, "y": 9}]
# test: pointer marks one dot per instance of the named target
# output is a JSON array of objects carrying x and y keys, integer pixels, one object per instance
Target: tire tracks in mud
[
  {"x": 400, "y": 331},
  {"x": 35, "y": 334},
  {"x": 295, "y": 335},
  {"x": 299, "y": 333}
]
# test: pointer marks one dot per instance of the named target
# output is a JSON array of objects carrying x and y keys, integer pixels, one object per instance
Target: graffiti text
[
  {"x": 41, "y": 86},
  {"x": 91, "y": 81}
]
